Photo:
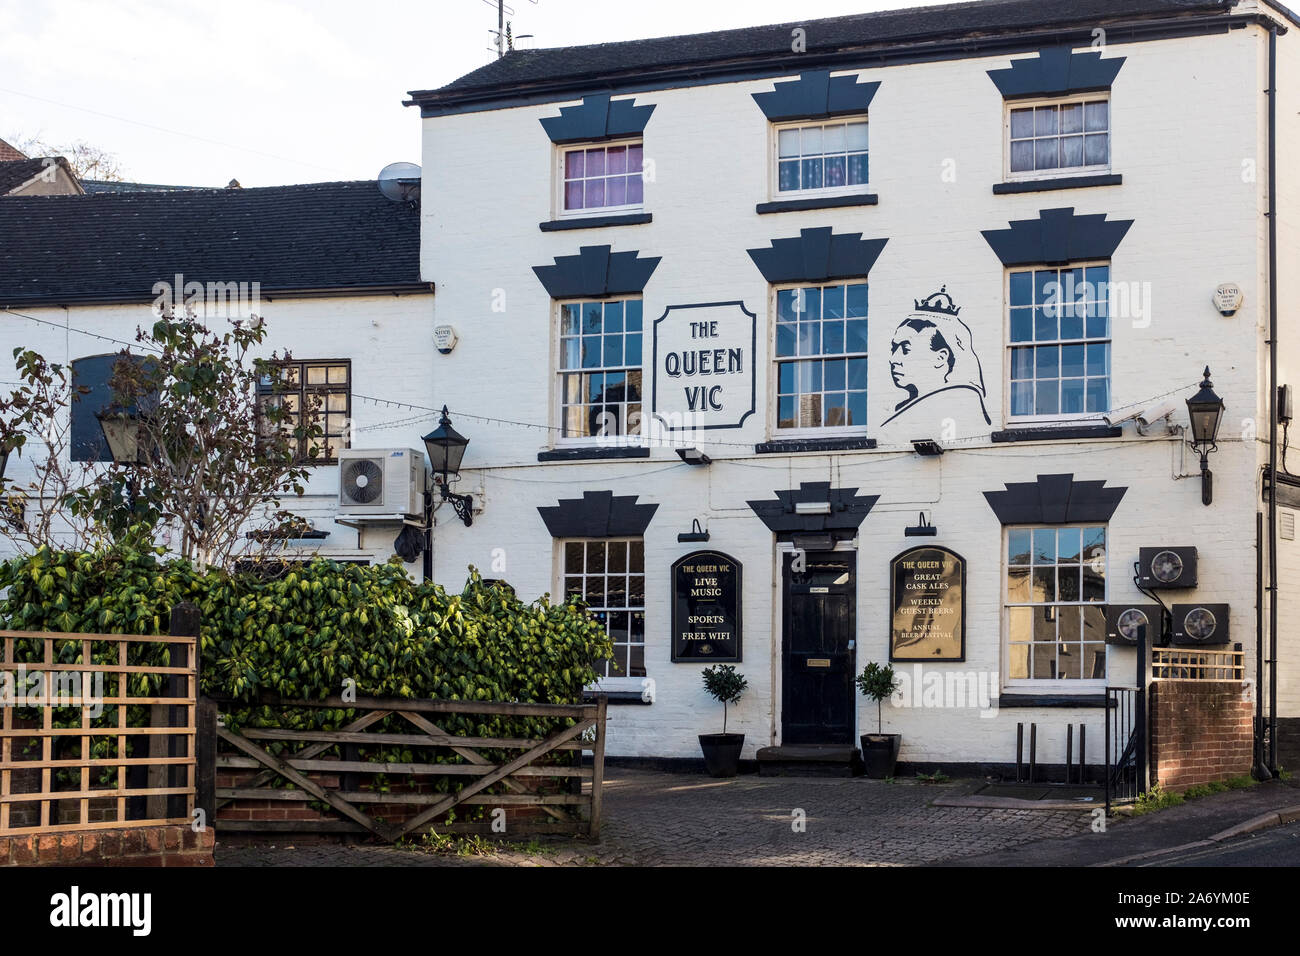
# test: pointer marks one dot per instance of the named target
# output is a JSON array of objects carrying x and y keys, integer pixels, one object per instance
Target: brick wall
[
  {"x": 175, "y": 845},
  {"x": 1200, "y": 732}
]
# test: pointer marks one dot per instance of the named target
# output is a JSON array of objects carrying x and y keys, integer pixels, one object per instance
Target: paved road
[
  {"x": 655, "y": 819},
  {"x": 1279, "y": 846}
]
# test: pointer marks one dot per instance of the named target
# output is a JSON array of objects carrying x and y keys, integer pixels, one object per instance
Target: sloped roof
[
  {"x": 730, "y": 50},
  {"x": 8, "y": 153},
  {"x": 94, "y": 187},
  {"x": 316, "y": 238},
  {"x": 14, "y": 173}
]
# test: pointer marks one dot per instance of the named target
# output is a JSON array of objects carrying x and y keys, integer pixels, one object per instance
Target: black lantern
[
  {"x": 1205, "y": 410},
  {"x": 446, "y": 448}
]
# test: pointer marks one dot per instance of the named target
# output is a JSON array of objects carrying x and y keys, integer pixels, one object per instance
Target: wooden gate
[{"x": 293, "y": 769}]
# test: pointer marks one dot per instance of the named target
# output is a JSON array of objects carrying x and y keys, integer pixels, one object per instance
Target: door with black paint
[{"x": 817, "y": 701}]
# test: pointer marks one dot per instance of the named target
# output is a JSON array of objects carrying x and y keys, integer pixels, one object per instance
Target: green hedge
[{"x": 301, "y": 635}]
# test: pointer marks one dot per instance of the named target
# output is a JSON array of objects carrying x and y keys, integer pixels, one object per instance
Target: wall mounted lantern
[
  {"x": 446, "y": 448},
  {"x": 697, "y": 532},
  {"x": 1205, "y": 410},
  {"x": 693, "y": 456},
  {"x": 122, "y": 433}
]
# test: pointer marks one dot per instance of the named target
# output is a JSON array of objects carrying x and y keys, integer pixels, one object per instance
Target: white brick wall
[
  {"x": 1186, "y": 113},
  {"x": 389, "y": 340}
]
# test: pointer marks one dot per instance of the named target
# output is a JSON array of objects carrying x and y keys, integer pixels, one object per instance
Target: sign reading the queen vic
[
  {"x": 706, "y": 607},
  {"x": 928, "y": 587},
  {"x": 704, "y": 368}
]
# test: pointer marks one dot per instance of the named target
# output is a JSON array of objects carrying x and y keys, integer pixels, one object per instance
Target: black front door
[{"x": 817, "y": 648}]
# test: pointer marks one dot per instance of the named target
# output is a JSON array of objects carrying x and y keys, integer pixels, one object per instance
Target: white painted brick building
[
  {"x": 1151, "y": 165},
  {"x": 1150, "y": 159},
  {"x": 330, "y": 267}
]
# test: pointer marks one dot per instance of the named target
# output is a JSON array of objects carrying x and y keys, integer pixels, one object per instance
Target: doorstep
[{"x": 810, "y": 760}]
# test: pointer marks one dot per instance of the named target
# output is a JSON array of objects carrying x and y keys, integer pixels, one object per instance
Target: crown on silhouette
[{"x": 940, "y": 302}]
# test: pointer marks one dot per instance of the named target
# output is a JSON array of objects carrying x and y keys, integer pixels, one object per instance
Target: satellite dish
[{"x": 400, "y": 182}]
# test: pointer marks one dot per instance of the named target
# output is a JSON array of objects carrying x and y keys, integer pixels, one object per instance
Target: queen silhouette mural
[{"x": 932, "y": 355}]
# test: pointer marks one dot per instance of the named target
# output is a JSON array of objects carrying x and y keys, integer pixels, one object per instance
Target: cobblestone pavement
[{"x": 655, "y": 819}]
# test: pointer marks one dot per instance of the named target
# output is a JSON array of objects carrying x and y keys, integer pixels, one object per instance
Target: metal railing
[{"x": 1126, "y": 744}]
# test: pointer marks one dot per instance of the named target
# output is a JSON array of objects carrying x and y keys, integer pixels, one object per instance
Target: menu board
[
  {"x": 706, "y": 607},
  {"x": 928, "y": 600}
]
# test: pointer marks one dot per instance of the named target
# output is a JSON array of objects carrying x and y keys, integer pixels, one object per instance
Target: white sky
[{"x": 197, "y": 92}]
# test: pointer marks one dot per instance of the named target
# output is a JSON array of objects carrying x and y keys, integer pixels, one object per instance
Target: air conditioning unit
[
  {"x": 1166, "y": 568},
  {"x": 381, "y": 481},
  {"x": 1126, "y": 623},
  {"x": 1200, "y": 625}
]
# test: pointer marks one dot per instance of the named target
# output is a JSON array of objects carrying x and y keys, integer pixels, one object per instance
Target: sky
[{"x": 199, "y": 92}]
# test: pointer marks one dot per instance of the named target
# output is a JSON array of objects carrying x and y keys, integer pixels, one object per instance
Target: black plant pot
[
  {"x": 722, "y": 753},
  {"x": 880, "y": 754}
]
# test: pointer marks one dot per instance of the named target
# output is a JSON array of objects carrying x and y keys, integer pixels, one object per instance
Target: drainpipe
[
  {"x": 1272, "y": 399},
  {"x": 1261, "y": 770}
]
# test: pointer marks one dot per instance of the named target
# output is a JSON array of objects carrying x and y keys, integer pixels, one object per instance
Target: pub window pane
[
  {"x": 602, "y": 177},
  {"x": 593, "y": 571},
  {"x": 1062, "y": 310},
  {"x": 573, "y": 552},
  {"x": 1018, "y": 540},
  {"x": 821, "y": 321},
  {"x": 821, "y": 156},
  {"x": 1021, "y": 623},
  {"x": 616, "y": 556},
  {"x": 1044, "y": 661},
  {"x": 1068, "y": 662},
  {"x": 1018, "y": 663},
  {"x": 1055, "y": 594},
  {"x": 1069, "y": 135},
  {"x": 610, "y": 349},
  {"x": 1018, "y": 585},
  {"x": 323, "y": 388}
]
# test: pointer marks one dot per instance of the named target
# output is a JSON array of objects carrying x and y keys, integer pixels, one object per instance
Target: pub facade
[{"x": 870, "y": 339}]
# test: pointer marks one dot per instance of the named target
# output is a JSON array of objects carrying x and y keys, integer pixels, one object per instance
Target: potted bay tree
[
  {"x": 879, "y": 750},
  {"x": 722, "y": 751}
]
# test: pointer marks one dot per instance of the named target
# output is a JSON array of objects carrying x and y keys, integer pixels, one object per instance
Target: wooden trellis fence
[
  {"x": 327, "y": 767},
  {"x": 43, "y": 788},
  {"x": 1194, "y": 663}
]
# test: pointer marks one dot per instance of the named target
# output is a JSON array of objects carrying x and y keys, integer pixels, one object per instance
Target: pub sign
[
  {"x": 928, "y": 603},
  {"x": 703, "y": 375},
  {"x": 706, "y": 607}
]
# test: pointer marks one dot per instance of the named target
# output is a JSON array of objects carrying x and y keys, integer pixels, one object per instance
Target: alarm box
[
  {"x": 1127, "y": 623},
  {"x": 1166, "y": 568},
  {"x": 1200, "y": 625}
]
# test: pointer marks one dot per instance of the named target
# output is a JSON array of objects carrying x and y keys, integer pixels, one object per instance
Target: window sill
[
  {"x": 1052, "y": 700},
  {"x": 825, "y": 202},
  {"x": 788, "y": 445},
  {"x": 1060, "y": 182},
  {"x": 1057, "y": 433},
  {"x": 615, "y": 697},
  {"x": 596, "y": 222},
  {"x": 594, "y": 452}
]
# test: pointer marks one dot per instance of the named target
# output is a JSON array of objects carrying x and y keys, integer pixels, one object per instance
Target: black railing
[{"x": 1126, "y": 744}]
